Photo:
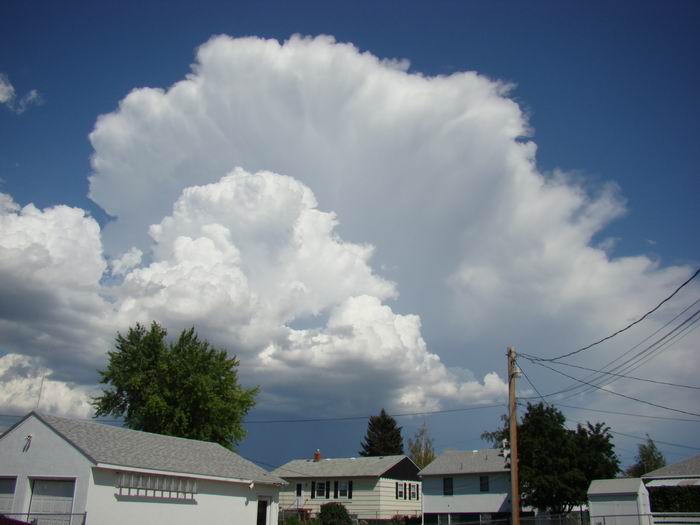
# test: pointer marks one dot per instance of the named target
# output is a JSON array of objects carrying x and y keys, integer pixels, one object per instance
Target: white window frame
[
  {"x": 155, "y": 486},
  {"x": 321, "y": 489},
  {"x": 401, "y": 494},
  {"x": 414, "y": 490},
  {"x": 343, "y": 486}
]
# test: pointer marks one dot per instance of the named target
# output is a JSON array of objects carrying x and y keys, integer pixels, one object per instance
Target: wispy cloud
[{"x": 8, "y": 97}]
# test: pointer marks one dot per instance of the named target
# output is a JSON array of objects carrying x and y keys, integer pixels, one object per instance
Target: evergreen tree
[
  {"x": 421, "y": 448},
  {"x": 383, "y": 437},
  {"x": 648, "y": 458}
]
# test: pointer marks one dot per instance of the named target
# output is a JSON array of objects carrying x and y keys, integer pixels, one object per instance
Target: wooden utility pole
[{"x": 514, "y": 467}]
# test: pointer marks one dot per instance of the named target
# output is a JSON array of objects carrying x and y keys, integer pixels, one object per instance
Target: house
[
  {"x": 371, "y": 488},
  {"x": 463, "y": 486},
  {"x": 72, "y": 472},
  {"x": 622, "y": 501},
  {"x": 672, "y": 488}
]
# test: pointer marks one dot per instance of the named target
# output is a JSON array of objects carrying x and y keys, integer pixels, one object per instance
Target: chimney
[{"x": 317, "y": 455}]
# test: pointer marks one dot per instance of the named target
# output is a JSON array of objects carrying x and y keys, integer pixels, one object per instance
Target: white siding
[
  {"x": 467, "y": 496},
  {"x": 390, "y": 506},
  {"x": 215, "y": 502},
  {"x": 372, "y": 498},
  {"x": 48, "y": 457}
]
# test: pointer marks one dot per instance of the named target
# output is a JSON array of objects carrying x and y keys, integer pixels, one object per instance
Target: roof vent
[{"x": 475, "y": 451}]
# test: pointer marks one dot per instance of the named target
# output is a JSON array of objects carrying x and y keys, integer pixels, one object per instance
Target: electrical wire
[
  {"x": 629, "y": 377},
  {"x": 617, "y": 393},
  {"x": 665, "y": 418},
  {"x": 667, "y": 340},
  {"x": 351, "y": 418},
  {"x": 647, "y": 314}
]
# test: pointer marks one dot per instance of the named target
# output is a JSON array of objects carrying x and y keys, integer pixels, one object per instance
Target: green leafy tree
[
  {"x": 548, "y": 465},
  {"x": 420, "y": 447},
  {"x": 334, "y": 513},
  {"x": 186, "y": 388},
  {"x": 595, "y": 455},
  {"x": 383, "y": 436},
  {"x": 648, "y": 458},
  {"x": 557, "y": 464}
]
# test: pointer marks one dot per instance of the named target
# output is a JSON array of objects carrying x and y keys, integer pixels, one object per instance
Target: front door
[{"x": 262, "y": 512}]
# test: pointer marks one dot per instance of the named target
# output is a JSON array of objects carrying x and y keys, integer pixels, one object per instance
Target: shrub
[
  {"x": 292, "y": 520},
  {"x": 334, "y": 514}
]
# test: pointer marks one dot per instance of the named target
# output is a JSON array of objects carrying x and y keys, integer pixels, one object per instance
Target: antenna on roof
[{"x": 41, "y": 389}]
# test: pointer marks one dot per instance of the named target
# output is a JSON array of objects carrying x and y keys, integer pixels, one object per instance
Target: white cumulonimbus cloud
[{"x": 442, "y": 236}]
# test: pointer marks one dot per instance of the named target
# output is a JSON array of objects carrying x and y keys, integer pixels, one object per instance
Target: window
[
  {"x": 298, "y": 490},
  {"x": 155, "y": 486},
  {"x": 414, "y": 491},
  {"x": 399, "y": 490},
  {"x": 343, "y": 489},
  {"x": 320, "y": 489},
  {"x": 447, "y": 487},
  {"x": 484, "y": 483},
  {"x": 7, "y": 494}
]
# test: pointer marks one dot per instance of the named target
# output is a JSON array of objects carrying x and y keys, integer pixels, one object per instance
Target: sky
[{"x": 366, "y": 202}]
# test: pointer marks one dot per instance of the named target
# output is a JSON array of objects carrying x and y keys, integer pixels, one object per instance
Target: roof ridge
[{"x": 124, "y": 429}]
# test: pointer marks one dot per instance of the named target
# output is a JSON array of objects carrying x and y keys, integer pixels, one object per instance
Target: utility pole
[{"x": 514, "y": 466}]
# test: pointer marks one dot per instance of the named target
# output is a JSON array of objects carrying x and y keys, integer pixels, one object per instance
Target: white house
[
  {"x": 65, "y": 471},
  {"x": 461, "y": 486},
  {"x": 371, "y": 488},
  {"x": 623, "y": 501}
]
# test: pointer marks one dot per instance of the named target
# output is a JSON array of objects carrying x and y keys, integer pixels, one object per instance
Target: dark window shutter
[
  {"x": 410, "y": 496},
  {"x": 335, "y": 489},
  {"x": 417, "y": 491},
  {"x": 328, "y": 489},
  {"x": 397, "y": 490},
  {"x": 350, "y": 489},
  {"x": 313, "y": 489},
  {"x": 404, "y": 491}
]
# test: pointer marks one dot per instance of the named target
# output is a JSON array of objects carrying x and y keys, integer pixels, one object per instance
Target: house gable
[{"x": 405, "y": 469}]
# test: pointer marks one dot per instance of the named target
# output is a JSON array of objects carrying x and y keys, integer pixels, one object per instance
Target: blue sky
[{"x": 607, "y": 90}]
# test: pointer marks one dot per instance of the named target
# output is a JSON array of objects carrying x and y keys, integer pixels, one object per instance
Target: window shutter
[
  {"x": 328, "y": 489},
  {"x": 417, "y": 491},
  {"x": 350, "y": 489},
  {"x": 313, "y": 489},
  {"x": 397, "y": 490},
  {"x": 410, "y": 496},
  {"x": 404, "y": 491},
  {"x": 335, "y": 489}
]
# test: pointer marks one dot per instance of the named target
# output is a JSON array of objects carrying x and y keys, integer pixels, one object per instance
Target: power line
[
  {"x": 655, "y": 440},
  {"x": 617, "y": 393},
  {"x": 532, "y": 385},
  {"x": 628, "y": 413},
  {"x": 352, "y": 418},
  {"x": 626, "y": 327},
  {"x": 665, "y": 341},
  {"x": 654, "y": 350},
  {"x": 629, "y": 377}
]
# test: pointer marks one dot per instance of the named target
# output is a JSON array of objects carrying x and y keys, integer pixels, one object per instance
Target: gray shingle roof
[
  {"x": 466, "y": 462},
  {"x": 338, "y": 467},
  {"x": 614, "y": 486},
  {"x": 687, "y": 467},
  {"x": 131, "y": 448}
]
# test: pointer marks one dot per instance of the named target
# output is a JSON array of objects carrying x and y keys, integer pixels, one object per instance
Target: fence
[{"x": 48, "y": 518}]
